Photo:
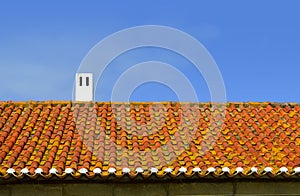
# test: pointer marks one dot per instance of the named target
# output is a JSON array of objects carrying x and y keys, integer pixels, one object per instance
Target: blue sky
[{"x": 255, "y": 44}]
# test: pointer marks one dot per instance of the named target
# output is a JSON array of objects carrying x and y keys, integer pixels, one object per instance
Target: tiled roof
[{"x": 104, "y": 139}]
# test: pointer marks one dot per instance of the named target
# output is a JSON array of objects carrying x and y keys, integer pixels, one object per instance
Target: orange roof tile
[{"x": 161, "y": 139}]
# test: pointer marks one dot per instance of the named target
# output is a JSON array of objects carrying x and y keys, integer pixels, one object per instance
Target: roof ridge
[{"x": 146, "y": 102}]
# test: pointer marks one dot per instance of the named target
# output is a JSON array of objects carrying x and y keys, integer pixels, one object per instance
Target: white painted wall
[{"x": 84, "y": 89}]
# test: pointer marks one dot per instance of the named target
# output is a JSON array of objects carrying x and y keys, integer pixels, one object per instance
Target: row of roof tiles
[{"x": 196, "y": 171}]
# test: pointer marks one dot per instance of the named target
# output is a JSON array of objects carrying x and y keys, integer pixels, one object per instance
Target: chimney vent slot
[
  {"x": 80, "y": 81},
  {"x": 87, "y": 81}
]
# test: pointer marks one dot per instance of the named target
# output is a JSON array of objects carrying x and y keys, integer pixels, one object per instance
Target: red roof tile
[{"x": 104, "y": 139}]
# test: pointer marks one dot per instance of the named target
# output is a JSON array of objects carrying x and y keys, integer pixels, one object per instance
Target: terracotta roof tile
[{"x": 160, "y": 139}]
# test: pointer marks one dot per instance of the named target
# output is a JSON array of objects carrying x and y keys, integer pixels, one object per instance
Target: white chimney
[{"x": 84, "y": 89}]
